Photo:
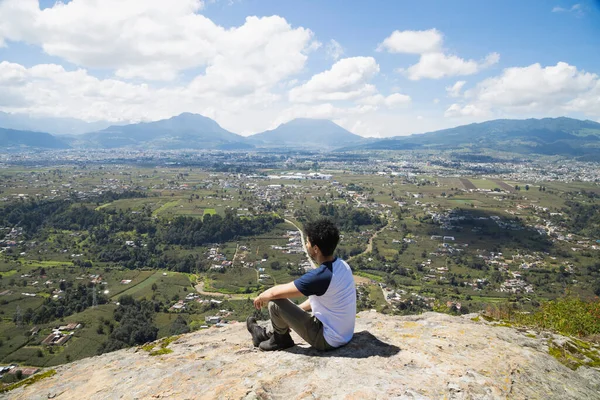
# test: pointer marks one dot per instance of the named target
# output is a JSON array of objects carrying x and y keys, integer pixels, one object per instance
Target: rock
[{"x": 426, "y": 356}]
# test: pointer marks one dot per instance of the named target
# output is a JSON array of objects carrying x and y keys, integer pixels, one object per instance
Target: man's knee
[{"x": 274, "y": 306}]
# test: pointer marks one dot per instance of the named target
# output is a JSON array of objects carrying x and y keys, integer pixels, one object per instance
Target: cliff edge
[{"x": 428, "y": 356}]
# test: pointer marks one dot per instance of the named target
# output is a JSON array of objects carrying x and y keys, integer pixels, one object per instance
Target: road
[{"x": 370, "y": 244}]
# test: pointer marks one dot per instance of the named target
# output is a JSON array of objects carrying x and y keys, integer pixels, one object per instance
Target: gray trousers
[{"x": 285, "y": 315}]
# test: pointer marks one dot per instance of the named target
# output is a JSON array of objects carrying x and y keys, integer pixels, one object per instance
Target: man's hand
[
  {"x": 284, "y": 291},
  {"x": 260, "y": 302}
]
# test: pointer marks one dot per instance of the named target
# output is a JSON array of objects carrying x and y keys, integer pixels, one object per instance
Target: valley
[{"x": 190, "y": 243}]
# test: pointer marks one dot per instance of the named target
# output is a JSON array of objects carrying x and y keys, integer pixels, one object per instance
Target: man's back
[{"x": 336, "y": 306}]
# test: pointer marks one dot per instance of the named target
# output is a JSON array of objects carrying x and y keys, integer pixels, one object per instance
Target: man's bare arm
[
  {"x": 285, "y": 291},
  {"x": 306, "y": 305}
]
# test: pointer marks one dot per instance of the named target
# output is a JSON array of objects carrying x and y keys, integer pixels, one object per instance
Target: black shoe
[
  {"x": 277, "y": 342},
  {"x": 259, "y": 334}
]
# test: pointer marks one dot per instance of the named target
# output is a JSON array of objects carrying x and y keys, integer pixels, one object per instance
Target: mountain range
[
  {"x": 55, "y": 126},
  {"x": 548, "y": 136}
]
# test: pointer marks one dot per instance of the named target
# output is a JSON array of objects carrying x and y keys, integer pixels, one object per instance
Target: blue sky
[{"x": 378, "y": 68}]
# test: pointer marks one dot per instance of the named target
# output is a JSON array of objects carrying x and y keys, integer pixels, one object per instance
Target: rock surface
[{"x": 428, "y": 356}]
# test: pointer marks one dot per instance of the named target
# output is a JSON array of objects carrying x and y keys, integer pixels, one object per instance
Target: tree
[{"x": 179, "y": 326}]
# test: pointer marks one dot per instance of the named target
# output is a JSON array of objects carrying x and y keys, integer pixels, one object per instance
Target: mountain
[
  {"x": 185, "y": 131},
  {"x": 55, "y": 126},
  {"x": 427, "y": 356},
  {"x": 549, "y": 136},
  {"x": 10, "y": 138},
  {"x": 314, "y": 134}
]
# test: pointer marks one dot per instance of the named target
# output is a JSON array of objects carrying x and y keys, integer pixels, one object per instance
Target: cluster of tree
[
  {"x": 584, "y": 218},
  {"x": 72, "y": 300},
  {"x": 43, "y": 217},
  {"x": 76, "y": 218},
  {"x": 179, "y": 326},
  {"x": 136, "y": 324},
  {"x": 189, "y": 231},
  {"x": 31, "y": 215},
  {"x": 110, "y": 196},
  {"x": 349, "y": 218}
]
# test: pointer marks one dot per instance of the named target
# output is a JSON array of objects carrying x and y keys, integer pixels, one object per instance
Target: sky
[{"x": 377, "y": 68}]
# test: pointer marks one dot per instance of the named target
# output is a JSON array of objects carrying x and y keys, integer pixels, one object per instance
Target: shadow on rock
[{"x": 362, "y": 345}]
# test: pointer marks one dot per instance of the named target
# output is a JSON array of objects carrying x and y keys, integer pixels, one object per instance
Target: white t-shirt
[{"x": 332, "y": 294}]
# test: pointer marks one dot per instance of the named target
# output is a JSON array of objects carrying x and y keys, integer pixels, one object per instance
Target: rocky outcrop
[{"x": 428, "y": 356}]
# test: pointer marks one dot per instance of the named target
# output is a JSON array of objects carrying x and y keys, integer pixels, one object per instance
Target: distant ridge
[
  {"x": 185, "y": 131},
  {"x": 52, "y": 125},
  {"x": 547, "y": 136},
  {"x": 14, "y": 138},
  {"x": 317, "y": 134}
]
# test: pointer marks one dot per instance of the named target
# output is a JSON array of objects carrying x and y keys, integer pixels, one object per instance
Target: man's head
[{"x": 324, "y": 234}]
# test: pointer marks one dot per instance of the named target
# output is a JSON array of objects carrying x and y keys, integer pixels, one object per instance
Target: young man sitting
[{"x": 331, "y": 293}]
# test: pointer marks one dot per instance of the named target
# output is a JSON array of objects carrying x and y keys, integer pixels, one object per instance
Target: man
[{"x": 331, "y": 296}]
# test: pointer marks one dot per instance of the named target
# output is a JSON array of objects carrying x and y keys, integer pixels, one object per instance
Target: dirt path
[
  {"x": 237, "y": 246},
  {"x": 370, "y": 244},
  {"x": 200, "y": 289}
]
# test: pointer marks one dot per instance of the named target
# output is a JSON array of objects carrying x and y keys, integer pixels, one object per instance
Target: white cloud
[
  {"x": 434, "y": 62},
  {"x": 454, "y": 90},
  {"x": 334, "y": 50},
  {"x": 392, "y": 101},
  {"x": 470, "y": 110},
  {"x": 577, "y": 9},
  {"x": 346, "y": 80},
  {"x": 50, "y": 90},
  {"x": 156, "y": 40},
  {"x": 413, "y": 42},
  {"x": 527, "y": 86},
  {"x": 397, "y": 99},
  {"x": 551, "y": 90},
  {"x": 440, "y": 65}
]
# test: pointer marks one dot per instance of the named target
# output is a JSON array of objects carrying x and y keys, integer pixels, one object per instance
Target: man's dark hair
[{"x": 324, "y": 233}]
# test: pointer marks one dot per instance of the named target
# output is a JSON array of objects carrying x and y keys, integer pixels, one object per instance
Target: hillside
[
  {"x": 314, "y": 134},
  {"x": 185, "y": 131},
  {"x": 52, "y": 125},
  {"x": 415, "y": 357},
  {"x": 548, "y": 136},
  {"x": 10, "y": 138}
]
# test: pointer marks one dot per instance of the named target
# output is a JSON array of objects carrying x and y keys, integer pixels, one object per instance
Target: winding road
[{"x": 370, "y": 243}]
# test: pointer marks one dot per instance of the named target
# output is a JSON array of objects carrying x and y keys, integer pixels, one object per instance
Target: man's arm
[
  {"x": 306, "y": 305},
  {"x": 285, "y": 291}
]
